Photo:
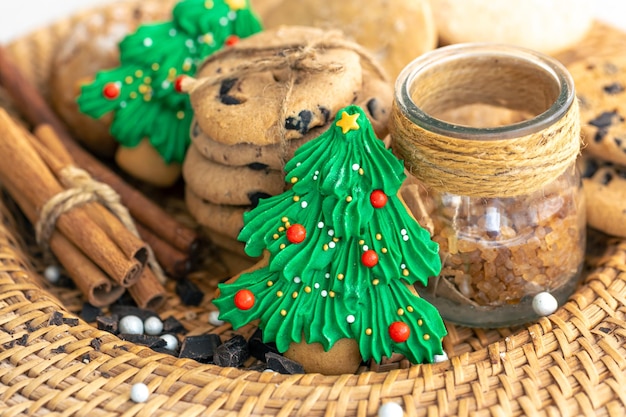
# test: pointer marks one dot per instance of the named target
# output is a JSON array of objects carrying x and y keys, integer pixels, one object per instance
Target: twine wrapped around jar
[{"x": 466, "y": 160}]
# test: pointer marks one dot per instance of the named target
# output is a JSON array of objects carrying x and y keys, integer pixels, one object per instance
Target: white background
[{"x": 18, "y": 17}]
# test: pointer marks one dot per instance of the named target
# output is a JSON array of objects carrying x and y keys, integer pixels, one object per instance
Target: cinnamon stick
[
  {"x": 148, "y": 291},
  {"x": 36, "y": 111},
  {"x": 23, "y": 170},
  {"x": 95, "y": 285}
]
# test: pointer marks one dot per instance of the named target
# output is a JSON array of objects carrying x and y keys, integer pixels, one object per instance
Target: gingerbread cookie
[
  {"x": 395, "y": 31},
  {"x": 90, "y": 46},
  {"x": 277, "y": 85},
  {"x": 546, "y": 26},
  {"x": 601, "y": 88},
  {"x": 223, "y": 184},
  {"x": 604, "y": 184}
]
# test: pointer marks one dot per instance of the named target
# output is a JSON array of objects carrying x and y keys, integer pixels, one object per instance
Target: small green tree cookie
[
  {"x": 144, "y": 91},
  {"x": 343, "y": 252}
]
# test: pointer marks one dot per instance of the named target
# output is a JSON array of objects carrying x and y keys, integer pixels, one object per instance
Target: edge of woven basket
[{"x": 572, "y": 362}]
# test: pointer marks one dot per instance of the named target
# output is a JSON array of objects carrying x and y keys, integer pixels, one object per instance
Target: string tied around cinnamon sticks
[
  {"x": 81, "y": 189},
  {"x": 297, "y": 57}
]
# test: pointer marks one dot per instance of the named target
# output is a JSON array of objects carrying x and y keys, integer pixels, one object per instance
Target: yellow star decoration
[
  {"x": 236, "y": 4},
  {"x": 348, "y": 122}
]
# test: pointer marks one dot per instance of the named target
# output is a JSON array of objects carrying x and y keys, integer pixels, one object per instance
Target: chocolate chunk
[
  {"x": 618, "y": 142},
  {"x": 56, "y": 350},
  {"x": 56, "y": 319},
  {"x": 189, "y": 292},
  {"x": 227, "y": 85},
  {"x": 300, "y": 123},
  {"x": 143, "y": 339},
  {"x": 123, "y": 311},
  {"x": 89, "y": 313},
  {"x": 22, "y": 341},
  {"x": 164, "y": 350},
  {"x": 600, "y": 134},
  {"x": 614, "y": 88},
  {"x": 108, "y": 323},
  {"x": 372, "y": 107},
  {"x": 604, "y": 120},
  {"x": 325, "y": 113},
  {"x": 255, "y": 196},
  {"x": 70, "y": 321},
  {"x": 607, "y": 178},
  {"x": 258, "y": 348},
  {"x": 195, "y": 129},
  {"x": 232, "y": 353},
  {"x": 229, "y": 100},
  {"x": 283, "y": 365},
  {"x": 604, "y": 330},
  {"x": 201, "y": 348},
  {"x": 125, "y": 300},
  {"x": 591, "y": 167},
  {"x": 172, "y": 325},
  {"x": 96, "y": 343},
  {"x": 257, "y": 166}
]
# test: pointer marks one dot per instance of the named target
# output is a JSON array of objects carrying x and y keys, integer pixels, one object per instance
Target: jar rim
[{"x": 440, "y": 56}]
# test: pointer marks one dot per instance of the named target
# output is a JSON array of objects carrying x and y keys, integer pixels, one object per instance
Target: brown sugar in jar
[{"x": 490, "y": 136}]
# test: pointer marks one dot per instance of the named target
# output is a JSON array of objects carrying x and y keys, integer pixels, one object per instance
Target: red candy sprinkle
[
  {"x": 296, "y": 233},
  {"x": 111, "y": 91},
  {"x": 244, "y": 299},
  {"x": 369, "y": 258},
  {"x": 399, "y": 331},
  {"x": 378, "y": 198},
  {"x": 231, "y": 40},
  {"x": 178, "y": 83}
]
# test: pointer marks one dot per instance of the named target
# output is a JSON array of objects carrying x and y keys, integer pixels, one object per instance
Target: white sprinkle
[
  {"x": 365, "y": 248},
  {"x": 402, "y": 266},
  {"x": 331, "y": 232},
  {"x": 320, "y": 225},
  {"x": 324, "y": 293},
  {"x": 317, "y": 285},
  {"x": 403, "y": 232},
  {"x": 405, "y": 238},
  {"x": 172, "y": 32},
  {"x": 314, "y": 177},
  {"x": 304, "y": 204},
  {"x": 355, "y": 167},
  {"x": 123, "y": 104},
  {"x": 165, "y": 85},
  {"x": 131, "y": 324},
  {"x": 86, "y": 359},
  {"x": 327, "y": 275},
  {"x": 139, "y": 392},
  {"x": 440, "y": 358},
  {"x": 189, "y": 43},
  {"x": 223, "y": 21},
  {"x": 232, "y": 15},
  {"x": 390, "y": 410},
  {"x": 214, "y": 318},
  {"x": 331, "y": 245},
  {"x": 147, "y": 42},
  {"x": 297, "y": 280},
  {"x": 52, "y": 274},
  {"x": 316, "y": 173},
  {"x": 298, "y": 164},
  {"x": 350, "y": 319},
  {"x": 171, "y": 342},
  {"x": 545, "y": 304},
  {"x": 153, "y": 326}
]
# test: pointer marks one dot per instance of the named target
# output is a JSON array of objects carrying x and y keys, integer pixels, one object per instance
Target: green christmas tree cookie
[
  {"x": 144, "y": 91},
  {"x": 343, "y": 253}
]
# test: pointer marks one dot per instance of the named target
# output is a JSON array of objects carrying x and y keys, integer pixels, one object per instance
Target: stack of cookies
[{"x": 257, "y": 102}]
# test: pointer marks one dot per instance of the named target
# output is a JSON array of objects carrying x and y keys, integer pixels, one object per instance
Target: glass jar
[{"x": 490, "y": 135}]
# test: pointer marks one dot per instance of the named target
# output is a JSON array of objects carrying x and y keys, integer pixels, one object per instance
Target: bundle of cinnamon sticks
[{"x": 52, "y": 149}]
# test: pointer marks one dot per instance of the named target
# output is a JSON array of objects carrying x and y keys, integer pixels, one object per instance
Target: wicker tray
[{"x": 570, "y": 363}]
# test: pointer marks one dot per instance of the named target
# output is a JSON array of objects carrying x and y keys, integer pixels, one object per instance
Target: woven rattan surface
[{"x": 570, "y": 363}]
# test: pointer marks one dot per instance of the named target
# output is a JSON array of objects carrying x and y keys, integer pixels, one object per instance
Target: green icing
[
  {"x": 320, "y": 287},
  {"x": 150, "y": 61}
]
